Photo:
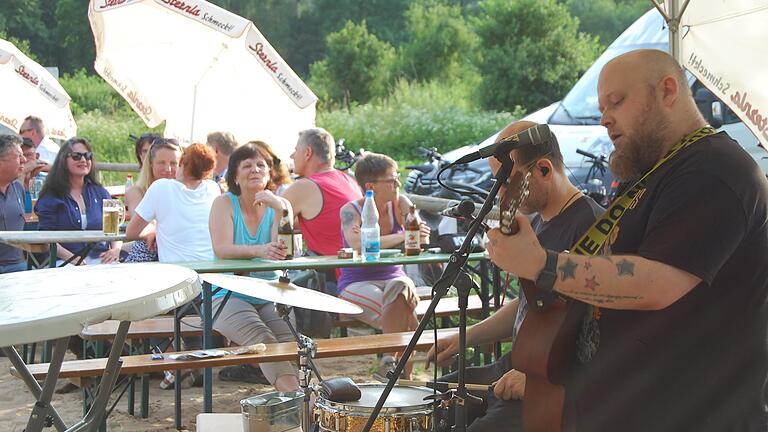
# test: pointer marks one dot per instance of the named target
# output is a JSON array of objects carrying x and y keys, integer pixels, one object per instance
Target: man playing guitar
[{"x": 561, "y": 215}]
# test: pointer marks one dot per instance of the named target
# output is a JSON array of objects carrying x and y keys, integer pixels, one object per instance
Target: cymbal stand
[
  {"x": 307, "y": 366},
  {"x": 450, "y": 274}
]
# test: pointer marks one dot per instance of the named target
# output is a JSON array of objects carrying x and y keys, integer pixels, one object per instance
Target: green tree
[
  {"x": 606, "y": 19},
  {"x": 22, "y": 20},
  {"x": 357, "y": 67},
  {"x": 532, "y": 52},
  {"x": 441, "y": 44},
  {"x": 73, "y": 35}
]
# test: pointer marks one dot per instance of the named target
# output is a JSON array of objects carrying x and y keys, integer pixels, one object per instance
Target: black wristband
[{"x": 548, "y": 275}]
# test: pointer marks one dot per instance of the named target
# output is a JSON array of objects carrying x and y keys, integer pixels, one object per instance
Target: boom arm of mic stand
[{"x": 450, "y": 273}]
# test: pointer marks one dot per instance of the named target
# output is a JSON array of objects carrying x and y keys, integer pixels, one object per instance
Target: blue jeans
[{"x": 12, "y": 268}]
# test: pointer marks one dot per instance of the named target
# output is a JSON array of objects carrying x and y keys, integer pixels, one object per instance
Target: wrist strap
[{"x": 548, "y": 275}]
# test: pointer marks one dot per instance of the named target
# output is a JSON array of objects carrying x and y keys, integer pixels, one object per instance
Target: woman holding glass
[
  {"x": 71, "y": 199},
  {"x": 161, "y": 162},
  {"x": 243, "y": 225}
]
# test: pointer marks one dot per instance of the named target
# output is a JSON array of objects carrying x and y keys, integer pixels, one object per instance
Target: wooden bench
[
  {"x": 90, "y": 369},
  {"x": 283, "y": 351}
]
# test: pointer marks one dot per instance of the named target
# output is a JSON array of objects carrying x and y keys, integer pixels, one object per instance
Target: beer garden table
[
  {"x": 315, "y": 263},
  {"x": 54, "y": 304},
  {"x": 47, "y": 241},
  {"x": 34, "y": 242}
]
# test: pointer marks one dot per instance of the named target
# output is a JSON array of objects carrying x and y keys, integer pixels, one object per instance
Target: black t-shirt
[
  {"x": 563, "y": 230},
  {"x": 700, "y": 364}
]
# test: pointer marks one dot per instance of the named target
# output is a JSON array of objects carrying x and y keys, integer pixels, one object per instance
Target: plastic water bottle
[
  {"x": 128, "y": 182},
  {"x": 370, "y": 236}
]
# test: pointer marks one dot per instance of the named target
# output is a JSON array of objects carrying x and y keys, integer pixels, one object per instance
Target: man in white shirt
[{"x": 34, "y": 129}]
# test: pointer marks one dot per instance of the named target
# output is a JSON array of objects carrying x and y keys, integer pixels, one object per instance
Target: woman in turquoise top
[{"x": 243, "y": 225}]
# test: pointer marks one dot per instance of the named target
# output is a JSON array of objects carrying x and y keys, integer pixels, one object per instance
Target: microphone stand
[{"x": 451, "y": 272}]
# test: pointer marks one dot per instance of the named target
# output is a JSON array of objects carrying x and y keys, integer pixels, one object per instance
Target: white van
[{"x": 576, "y": 119}]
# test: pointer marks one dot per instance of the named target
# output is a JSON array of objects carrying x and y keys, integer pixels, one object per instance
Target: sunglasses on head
[{"x": 76, "y": 156}]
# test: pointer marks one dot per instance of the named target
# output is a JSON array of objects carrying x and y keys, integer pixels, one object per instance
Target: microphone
[
  {"x": 462, "y": 210},
  {"x": 536, "y": 135}
]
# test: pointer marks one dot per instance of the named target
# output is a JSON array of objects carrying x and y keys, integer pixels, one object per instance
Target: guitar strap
[{"x": 593, "y": 241}]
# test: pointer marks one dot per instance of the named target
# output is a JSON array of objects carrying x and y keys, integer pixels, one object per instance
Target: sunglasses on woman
[{"x": 76, "y": 156}]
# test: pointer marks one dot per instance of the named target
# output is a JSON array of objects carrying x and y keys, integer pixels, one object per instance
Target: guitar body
[
  {"x": 545, "y": 346},
  {"x": 545, "y": 350}
]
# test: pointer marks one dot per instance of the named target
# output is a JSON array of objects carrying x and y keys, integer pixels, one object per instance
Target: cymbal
[{"x": 283, "y": 292}]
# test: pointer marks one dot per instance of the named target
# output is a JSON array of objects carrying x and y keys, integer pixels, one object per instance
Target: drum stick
[{"x": 442, "y": 386}]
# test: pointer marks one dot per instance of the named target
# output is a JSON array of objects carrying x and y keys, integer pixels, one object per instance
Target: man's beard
[{"x": 642, "y": 150}]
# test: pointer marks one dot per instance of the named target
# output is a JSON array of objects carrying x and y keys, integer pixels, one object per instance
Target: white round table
[{"x": 57, "y": 303}]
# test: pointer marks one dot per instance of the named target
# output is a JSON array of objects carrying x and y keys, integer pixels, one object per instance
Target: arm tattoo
[
  {"x": 591, "y": 283},
  {"x": 599, "y": 298},
  {"x": 625, "y": 268},
  {"x": 568, "y": 270},
  {"x": 347, "y": 218}
]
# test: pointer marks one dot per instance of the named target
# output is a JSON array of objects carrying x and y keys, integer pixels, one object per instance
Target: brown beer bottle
[
  {"x": 285, "y": 234},
  {"x": 412, "y": 232}
]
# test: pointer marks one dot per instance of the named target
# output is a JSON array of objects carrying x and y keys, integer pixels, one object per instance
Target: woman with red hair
[{"x": 181, "y": 207}]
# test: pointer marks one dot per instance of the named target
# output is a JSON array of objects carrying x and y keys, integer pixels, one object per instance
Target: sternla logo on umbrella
[{"x": 28, "y": 75}]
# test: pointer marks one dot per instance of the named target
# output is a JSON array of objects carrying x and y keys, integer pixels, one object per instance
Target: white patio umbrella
[
  {"x": 721, "y": 43},
  {"x": 29, "y": 89},
  {"x": 200, "y": 69}
]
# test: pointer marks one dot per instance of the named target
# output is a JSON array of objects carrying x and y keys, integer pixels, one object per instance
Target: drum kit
[{"x": 409, "y": 408}]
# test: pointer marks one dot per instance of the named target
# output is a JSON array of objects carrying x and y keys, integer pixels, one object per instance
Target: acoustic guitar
[{"x": 545, "y": 347}]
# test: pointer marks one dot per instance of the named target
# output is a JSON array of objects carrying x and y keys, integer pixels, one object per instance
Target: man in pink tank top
[{"x": 321, "y": 191}]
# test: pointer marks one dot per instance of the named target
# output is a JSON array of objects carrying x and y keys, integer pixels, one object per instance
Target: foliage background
[{"x": 392, "y": 75}]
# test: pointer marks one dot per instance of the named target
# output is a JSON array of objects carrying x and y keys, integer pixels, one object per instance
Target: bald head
[
  {"x": 647, "y": 66},
  {"x": 526, "y": 154}
]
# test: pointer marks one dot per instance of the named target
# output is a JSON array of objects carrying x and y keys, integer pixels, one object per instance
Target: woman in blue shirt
[
  {"x": 243, "y": 225},
  {"x": 71, "y": 200}
]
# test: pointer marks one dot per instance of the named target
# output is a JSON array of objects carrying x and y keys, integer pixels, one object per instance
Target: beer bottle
[
  {"x": 412, "y": 232},
  {"x": 285, "y": 234}
]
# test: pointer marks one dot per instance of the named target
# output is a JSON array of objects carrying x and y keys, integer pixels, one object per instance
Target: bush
[{"x": 434, "y": 114}]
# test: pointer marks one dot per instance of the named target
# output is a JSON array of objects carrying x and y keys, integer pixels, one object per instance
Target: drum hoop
[{"x": 422, "y": 408}]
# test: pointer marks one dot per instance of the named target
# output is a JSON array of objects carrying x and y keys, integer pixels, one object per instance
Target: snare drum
[{"x": 404, "y": 411}]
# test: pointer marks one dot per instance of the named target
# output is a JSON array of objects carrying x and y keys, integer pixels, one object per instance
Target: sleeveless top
[
  {"x": 374, "y": 273},
  {"x": 322, "y": 232},
  {"x": 243, "y": 237}
]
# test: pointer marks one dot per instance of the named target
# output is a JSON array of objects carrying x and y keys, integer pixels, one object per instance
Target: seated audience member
[
  {"x": 72, "y": 200},
  {"x": 243, "y": 225},
  {"x": 32, "y": 167},
  {"x": 388, "y": 297},
  {"x": 141, "y": 146},
  {"x": 318, "y": 196},
  {"x": 12, "y": 162},
  {"x": 162, "y": 161},
  {"x": 223, "y": 144},
  {"x": 281, "y": 175},
  {"x": 180, "y": 207},
  {"x": 34, "y": 129}
]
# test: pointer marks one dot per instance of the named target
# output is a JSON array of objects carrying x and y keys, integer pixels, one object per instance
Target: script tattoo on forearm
[
  {"x": 625, "y": 268},
  {"x": 600, "y": 298},
  {"x": 568, "y": 270}
]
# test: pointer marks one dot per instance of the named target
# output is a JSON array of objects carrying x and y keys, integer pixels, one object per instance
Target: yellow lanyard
[{"x": 593, "y": 240}]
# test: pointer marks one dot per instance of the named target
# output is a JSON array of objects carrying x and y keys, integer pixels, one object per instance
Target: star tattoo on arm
[
  {"x": 625, "y": 268},
  {"x": 591, "y": 283},
  {"x": 568, "y": 270}
]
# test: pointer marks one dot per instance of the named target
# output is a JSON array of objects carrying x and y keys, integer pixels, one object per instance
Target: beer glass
[{"x": 113, "y": 214}]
